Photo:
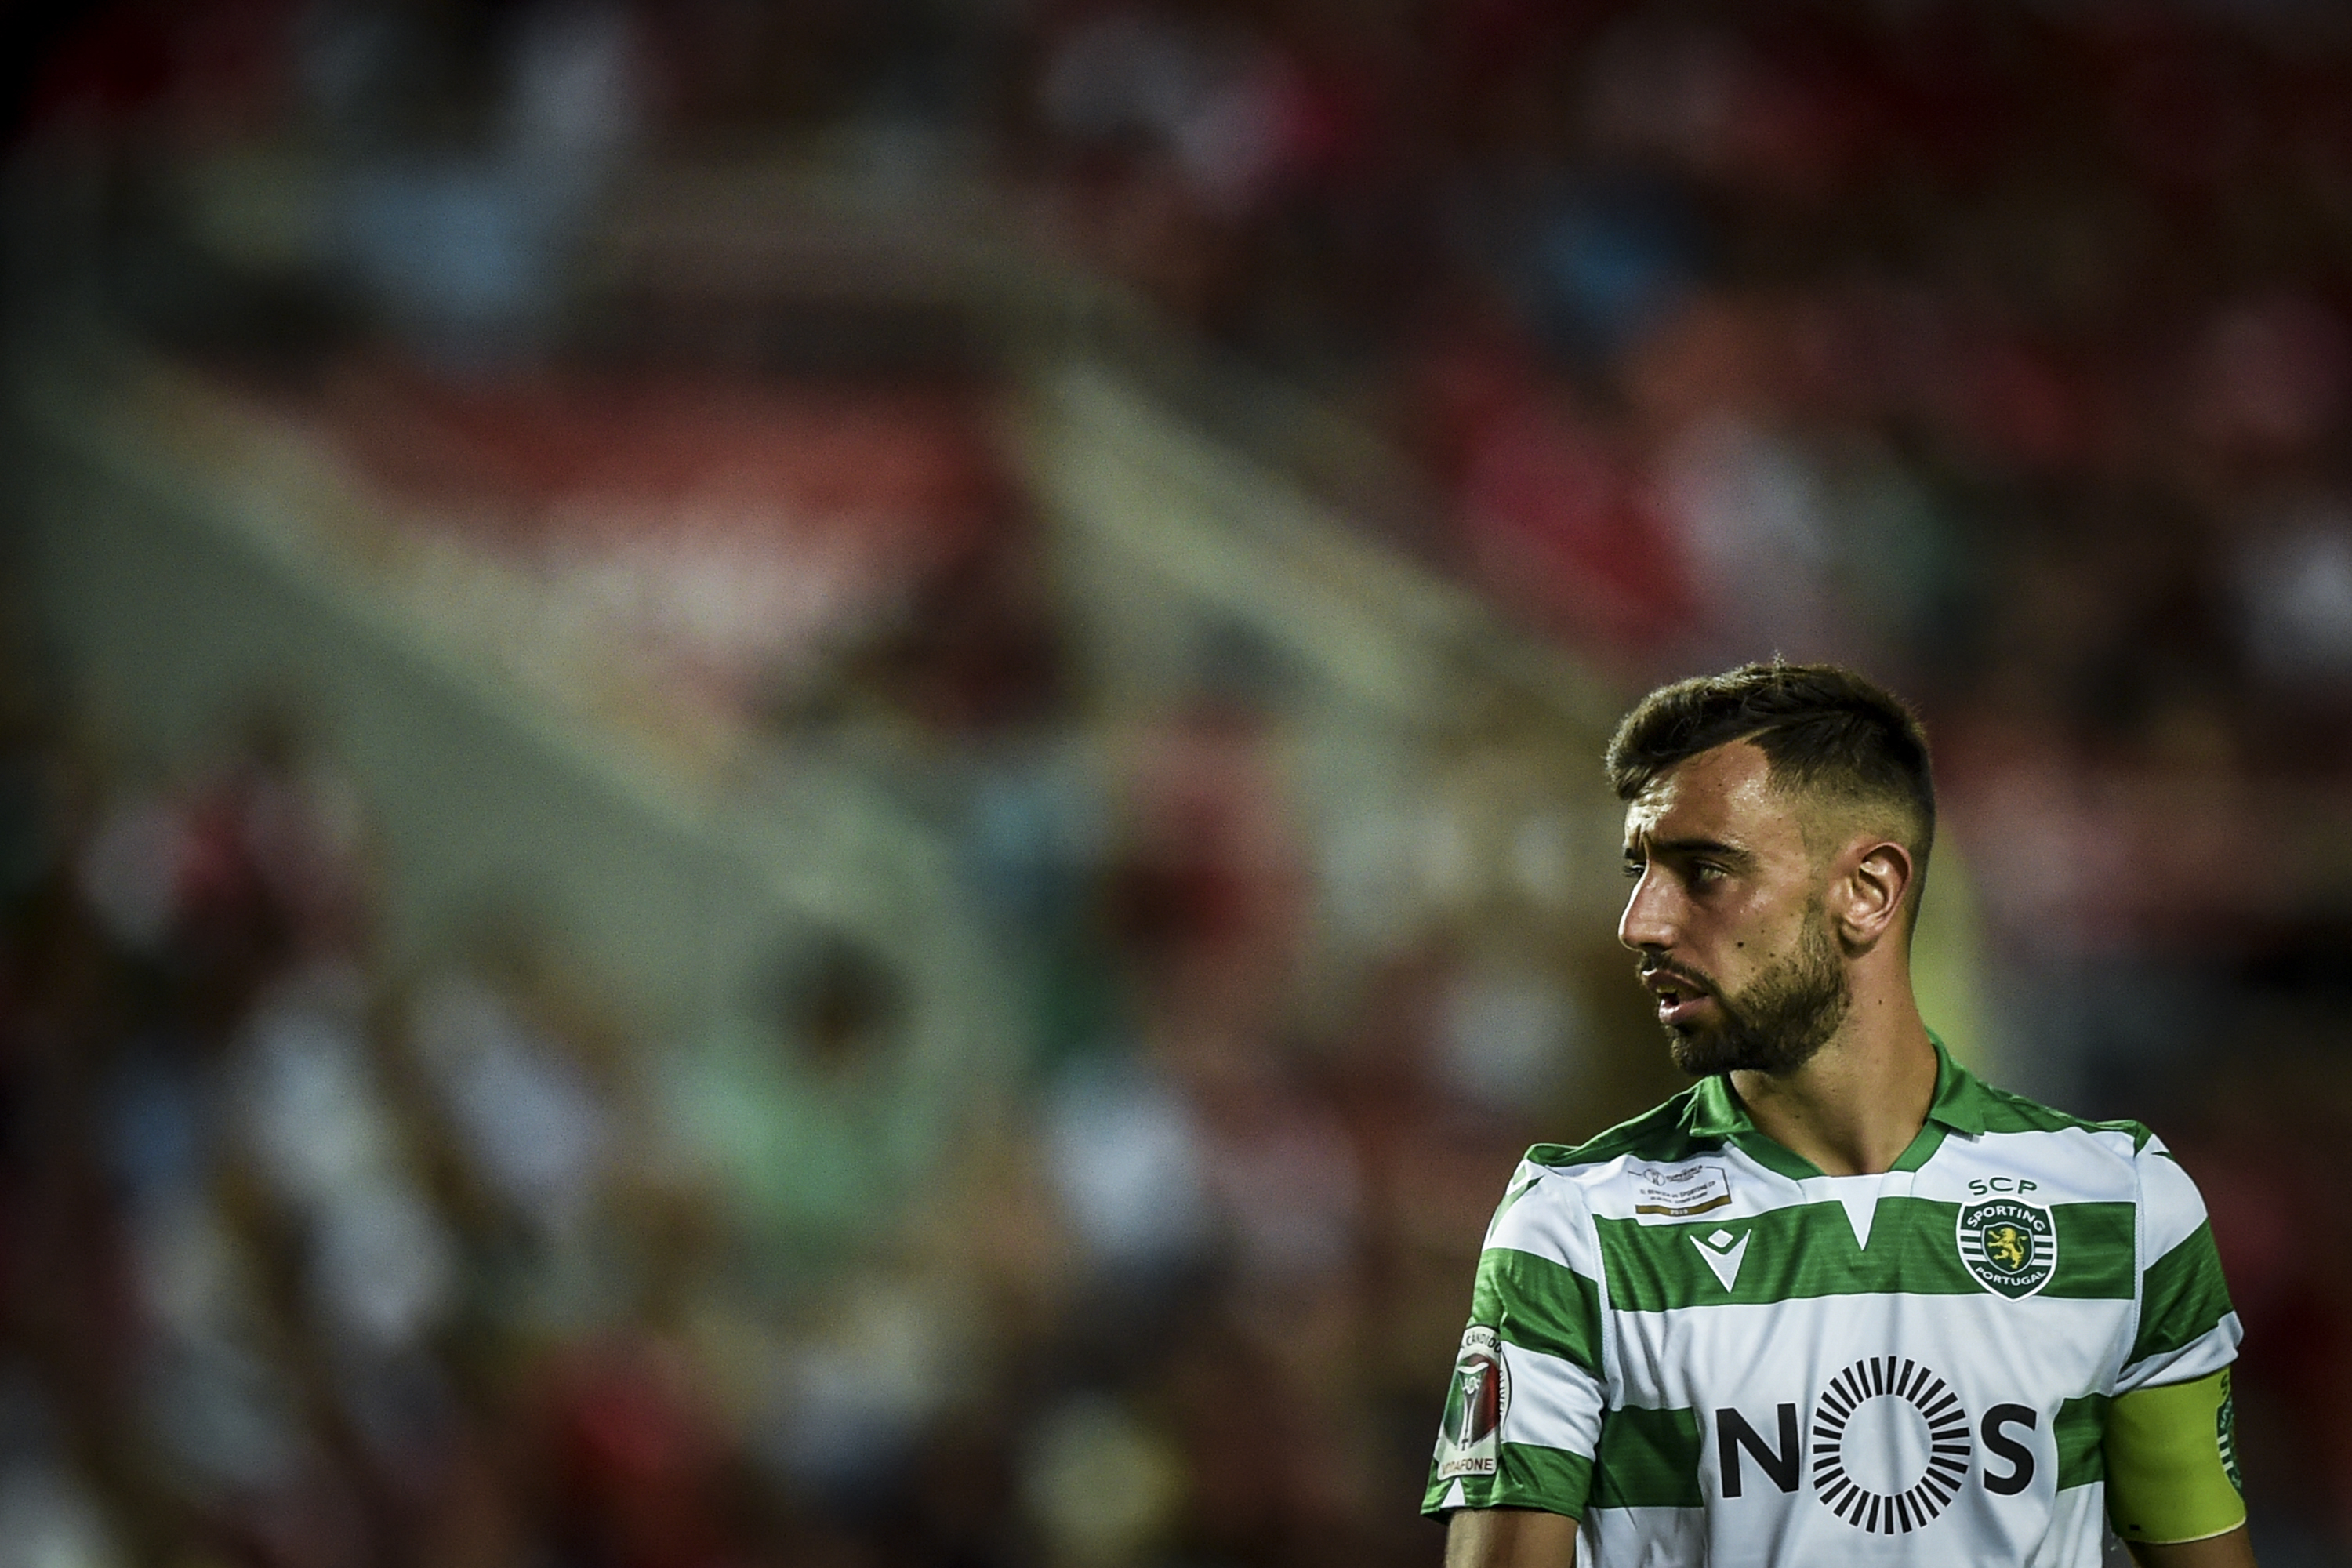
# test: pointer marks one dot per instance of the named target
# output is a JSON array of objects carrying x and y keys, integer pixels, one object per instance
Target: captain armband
[{"x": 2172, "y": 1462}]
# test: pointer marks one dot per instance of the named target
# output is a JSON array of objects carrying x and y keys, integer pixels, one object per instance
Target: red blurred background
[{"x": 812, "y": 783}]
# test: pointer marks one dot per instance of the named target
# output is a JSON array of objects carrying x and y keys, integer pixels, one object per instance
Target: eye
[
  {"x": 1706, "y": 871},
  {"x": 1633, "y": 869}
]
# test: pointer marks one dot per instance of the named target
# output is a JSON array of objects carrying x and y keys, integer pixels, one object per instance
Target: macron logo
[{"x": 1723, "y": 1252}]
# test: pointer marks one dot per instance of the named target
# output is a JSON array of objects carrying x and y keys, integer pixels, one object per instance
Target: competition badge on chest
[
  {"x": 1471, "y": 1441},
  {"x": 2011, "y": 1248}
]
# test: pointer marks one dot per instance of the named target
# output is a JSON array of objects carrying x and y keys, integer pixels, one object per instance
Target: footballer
[{"x": 1840, "y": 1301}]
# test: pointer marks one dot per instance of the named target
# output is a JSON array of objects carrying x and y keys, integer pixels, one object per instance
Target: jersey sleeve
[
  {"x": 1522, "y": 1416},
  {"x": 2186, "y": 1328}
]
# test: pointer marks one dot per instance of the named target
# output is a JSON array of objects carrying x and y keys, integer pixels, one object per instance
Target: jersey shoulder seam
[
  {"x": 2024, "y": 1115},
  {"x": 1661, "y": 1132}
]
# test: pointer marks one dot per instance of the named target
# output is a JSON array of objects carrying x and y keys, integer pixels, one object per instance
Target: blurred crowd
[
  {"x": 310, "y": 1258},
  {"x": 2003, "y": 349}
]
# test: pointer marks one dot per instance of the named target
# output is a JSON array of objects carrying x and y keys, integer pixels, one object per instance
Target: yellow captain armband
[{"x": 2172, "y": 1462}]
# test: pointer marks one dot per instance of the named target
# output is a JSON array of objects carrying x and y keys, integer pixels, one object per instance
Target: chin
[{"x": 1698, "y": 1052}]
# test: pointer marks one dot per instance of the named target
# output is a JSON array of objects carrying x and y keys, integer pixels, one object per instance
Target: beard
[{"x": 1779, "y": 1020}]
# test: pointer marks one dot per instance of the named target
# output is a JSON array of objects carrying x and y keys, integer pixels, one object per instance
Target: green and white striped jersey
[{"x": 1705, "y": 1349}]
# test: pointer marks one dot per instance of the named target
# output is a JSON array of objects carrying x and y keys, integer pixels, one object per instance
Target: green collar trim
[
  {"x": 1961, "y": 1098},
  {"x": 1959, "y": 1106}
]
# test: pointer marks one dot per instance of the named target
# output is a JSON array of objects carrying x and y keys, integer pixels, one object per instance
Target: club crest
[{"x": 2011, "y": 1248}]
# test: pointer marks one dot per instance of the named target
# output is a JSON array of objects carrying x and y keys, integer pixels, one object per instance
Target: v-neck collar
[{"x": 1958, "y": 1106}]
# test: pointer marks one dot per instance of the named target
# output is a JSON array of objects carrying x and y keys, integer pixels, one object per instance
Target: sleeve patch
[{"x": 1470, "y": 1439}]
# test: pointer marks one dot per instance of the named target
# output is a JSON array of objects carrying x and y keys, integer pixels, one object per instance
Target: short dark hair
[{"x": 1820, "y": 726}]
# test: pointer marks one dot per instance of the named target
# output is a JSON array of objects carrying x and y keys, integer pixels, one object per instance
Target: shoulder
[
  {"x": 2005, "y": 1111},
  {"x": 2126, "y": 1159},
  {"x": 1662, "y": 1132},
  {"x": 1559, "y": 1189}
]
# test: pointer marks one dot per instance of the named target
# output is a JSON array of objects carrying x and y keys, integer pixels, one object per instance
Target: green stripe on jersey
[
  {"x": 2005, "y": 1112},
  {"x": 1649, "y": 1459},
  {"x": 1808, "y": 1250},
  {"x": 2186, "y": 1296},
  {"x": 1538, "y": 1305},
  {"x": 2081, "y": 1428},
  {"x": 1533, "y": 1476},
  {"x": 1661, "y": 1132},
  {"x": 1527, "y": 1475}
]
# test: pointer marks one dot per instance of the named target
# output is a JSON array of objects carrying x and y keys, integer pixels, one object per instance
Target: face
[{"x": 1727, "y": 913}]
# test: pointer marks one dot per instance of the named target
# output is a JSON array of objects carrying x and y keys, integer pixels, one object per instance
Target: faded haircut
[{"x": 1823, "y": 729}]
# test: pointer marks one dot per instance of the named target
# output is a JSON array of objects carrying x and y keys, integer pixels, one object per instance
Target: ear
[{"x": 1868, "y": 892}]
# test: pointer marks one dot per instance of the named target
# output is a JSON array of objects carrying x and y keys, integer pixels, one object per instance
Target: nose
[{"x": 1648, "y": 925}]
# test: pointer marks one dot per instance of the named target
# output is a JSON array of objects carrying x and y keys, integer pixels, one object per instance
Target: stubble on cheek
[{"x": 1778, "y": 1021}]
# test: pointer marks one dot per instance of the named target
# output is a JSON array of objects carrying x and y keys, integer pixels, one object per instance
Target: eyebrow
[{"x": 1687, "y": 846}]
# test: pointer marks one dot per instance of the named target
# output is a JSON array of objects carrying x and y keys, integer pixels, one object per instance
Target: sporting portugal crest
[{"x": 2011, "y": 1247}]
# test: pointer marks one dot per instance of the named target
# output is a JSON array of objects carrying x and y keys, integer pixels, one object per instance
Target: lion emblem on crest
[{"x": 2008, "y": 1245}]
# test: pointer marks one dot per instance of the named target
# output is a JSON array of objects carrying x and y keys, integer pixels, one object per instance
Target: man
[{"x": 1840, "y": 1301}]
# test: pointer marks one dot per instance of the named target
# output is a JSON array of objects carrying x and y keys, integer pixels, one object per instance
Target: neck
[{"x": 1857, "y": 1103}]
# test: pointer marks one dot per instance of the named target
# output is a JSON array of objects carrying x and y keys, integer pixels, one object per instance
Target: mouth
[{"x": 1680, "y": 998}]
